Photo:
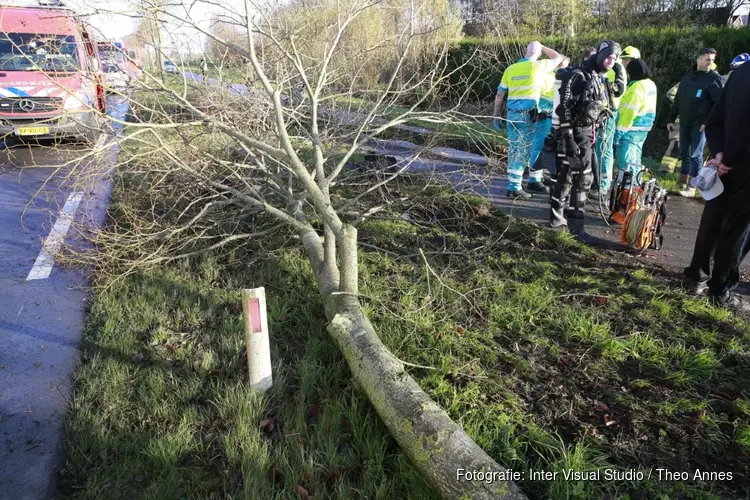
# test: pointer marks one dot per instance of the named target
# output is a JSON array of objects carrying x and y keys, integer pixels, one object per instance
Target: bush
[{"x": 670, "y": 53}]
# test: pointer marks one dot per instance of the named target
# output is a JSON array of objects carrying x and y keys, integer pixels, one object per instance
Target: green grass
[
  {"x": 182, "y": 423},
  {"x": 550, "y": 355},
  {"x": 667, "y": 180}
]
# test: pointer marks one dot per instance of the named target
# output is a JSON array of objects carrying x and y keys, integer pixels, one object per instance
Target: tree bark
[{"x": 437, "y": 446}]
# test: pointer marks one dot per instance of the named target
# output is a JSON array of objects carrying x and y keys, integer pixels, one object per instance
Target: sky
[{"x": 116, "y": 19}]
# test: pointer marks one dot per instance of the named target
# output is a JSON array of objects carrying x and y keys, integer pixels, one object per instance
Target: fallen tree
[{"x": 294, "y": 157}]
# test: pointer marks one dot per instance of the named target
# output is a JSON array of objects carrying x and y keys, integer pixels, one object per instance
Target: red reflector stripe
[{"x": 255, "y": 315}]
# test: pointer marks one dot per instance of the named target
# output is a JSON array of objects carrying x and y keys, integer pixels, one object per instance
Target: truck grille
[
  {"x": 28, "y": 122},
  {"x": 29, "y": 104}
]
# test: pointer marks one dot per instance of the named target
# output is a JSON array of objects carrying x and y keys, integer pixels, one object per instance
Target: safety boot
[
  {"x": 687, "y": 191},
  {"x": 682, "y": 182},
  {"x": 576, "y": 214},
  {"x": 518, "y": 195},
  {"x": 557, "y": 217},
  {"x": 537, "y": 187}
]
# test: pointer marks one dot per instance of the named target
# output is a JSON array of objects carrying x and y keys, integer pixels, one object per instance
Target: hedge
[{"x": 669, "y": 52}]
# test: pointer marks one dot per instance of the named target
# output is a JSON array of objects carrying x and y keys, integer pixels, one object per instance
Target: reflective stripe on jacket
[
  {"x": 638, "y": 107},
  {"x": 522, "y": 82}
]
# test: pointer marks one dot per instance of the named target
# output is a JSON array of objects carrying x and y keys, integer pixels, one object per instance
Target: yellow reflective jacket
[
  {"x": 523, "y": 82},
  {"x": 637, "y": 107}
]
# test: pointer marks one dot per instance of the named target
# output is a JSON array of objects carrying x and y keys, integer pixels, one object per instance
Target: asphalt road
[
  {"x": 42, "y": 305},
  {"x": 467, "y": 173}
]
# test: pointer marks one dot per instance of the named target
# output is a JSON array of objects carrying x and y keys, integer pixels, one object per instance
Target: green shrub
[
  {"x": 476, "y": 65},
  {"x": 669, "y": 52}
]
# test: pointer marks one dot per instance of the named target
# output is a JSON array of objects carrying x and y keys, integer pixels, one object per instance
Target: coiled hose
[{"x": 636, "y": 226}]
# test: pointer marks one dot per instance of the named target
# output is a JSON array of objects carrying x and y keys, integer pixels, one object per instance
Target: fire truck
[{"x": 51, "y": 80}]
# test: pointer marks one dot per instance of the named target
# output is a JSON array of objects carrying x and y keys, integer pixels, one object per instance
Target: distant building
[{"x": 740, "y": 17}]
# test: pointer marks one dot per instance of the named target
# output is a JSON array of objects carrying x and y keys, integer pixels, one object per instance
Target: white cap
[{"x": 708, "y": 183}]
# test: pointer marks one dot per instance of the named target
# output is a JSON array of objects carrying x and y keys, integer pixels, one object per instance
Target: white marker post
[{"x": 256, "y": 338}]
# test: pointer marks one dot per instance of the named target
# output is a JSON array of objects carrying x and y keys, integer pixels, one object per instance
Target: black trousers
[
  {"x": 576, "y": 171},
  {"x": 724, "y": 234}
]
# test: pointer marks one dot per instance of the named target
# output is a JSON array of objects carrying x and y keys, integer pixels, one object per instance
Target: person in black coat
[
  {"x": 724, "y": 230},
  {"x": 698, "y": 92}
]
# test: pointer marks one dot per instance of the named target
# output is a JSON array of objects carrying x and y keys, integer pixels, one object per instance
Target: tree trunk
[{"x": 436, "y": 445}]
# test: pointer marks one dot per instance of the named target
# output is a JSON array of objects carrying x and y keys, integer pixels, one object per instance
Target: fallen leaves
[
  {"x": 277, "y": 475},
  {"x": 311, "y": 417}
]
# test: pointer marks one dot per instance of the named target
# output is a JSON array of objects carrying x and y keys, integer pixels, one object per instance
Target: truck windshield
[
  {"x": 112, "y": 57},
  {"x": 37, "y": 52}
]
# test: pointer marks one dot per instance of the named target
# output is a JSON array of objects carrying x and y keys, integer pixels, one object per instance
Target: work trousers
[
  {"x": 520, "y": 143},
  {"x": 630, "y": 152},
  {"x": 572, "y": 170},
  {"x": 692, "y": 142},
  {"x": 542, "y": 129},
  {"x": 723, "y": 234},
  {"x": 604, "y": 152}
]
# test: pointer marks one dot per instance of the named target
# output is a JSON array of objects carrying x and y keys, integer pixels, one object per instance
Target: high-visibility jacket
[
  {"x": 612, "y": 76},
  {"x": 547, "y": 96},
  {"x": 637, "y": 107},
  {"x": 522, "y": 82}
]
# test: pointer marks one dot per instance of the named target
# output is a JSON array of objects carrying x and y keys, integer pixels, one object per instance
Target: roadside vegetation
[
  {"x": 549, "y": 354},
  {"x": 480, "y": 338}
]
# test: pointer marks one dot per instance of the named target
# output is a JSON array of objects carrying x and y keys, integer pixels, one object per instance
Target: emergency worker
[
  {"x": 544, "y": 123},
  {"x": 636, "y": 118},
  {"x": 522, "y": 83},
  {"x": 587, "y": 52},
  {"x": 583, "y": 99},
  {"x": 615, "y": 81},
  {"x": 629, "y": 53},
  {"x": 605, "y": 154},
  {"x": 698, "y": 92}
]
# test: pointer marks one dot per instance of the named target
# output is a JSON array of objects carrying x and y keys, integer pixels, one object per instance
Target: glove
[
  {"x": 571, "y": 148},
  {"x": 497, "y": 123}
]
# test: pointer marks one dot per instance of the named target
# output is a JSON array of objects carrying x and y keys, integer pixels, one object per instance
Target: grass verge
[{"x": 551, "y": 356}]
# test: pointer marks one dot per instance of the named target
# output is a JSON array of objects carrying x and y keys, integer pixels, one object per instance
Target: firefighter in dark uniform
[{"x": 583, "y": 106}]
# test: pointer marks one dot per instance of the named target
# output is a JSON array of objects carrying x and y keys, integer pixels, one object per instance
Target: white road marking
[{"x": 53, "y": 242}]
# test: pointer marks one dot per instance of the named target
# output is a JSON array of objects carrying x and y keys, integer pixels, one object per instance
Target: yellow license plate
[{"x": 32, "y": 130}]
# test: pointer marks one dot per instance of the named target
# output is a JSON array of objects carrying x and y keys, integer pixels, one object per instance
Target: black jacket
[
  {"x": 728, "y": 124},
  {"x": 583, "y": 95},
  {"x": 697, "y": 94}
]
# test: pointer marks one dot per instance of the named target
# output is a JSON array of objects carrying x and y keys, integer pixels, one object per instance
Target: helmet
[
  {"x": 739, "y": 60},
  {"x": 631, "y": 52}
]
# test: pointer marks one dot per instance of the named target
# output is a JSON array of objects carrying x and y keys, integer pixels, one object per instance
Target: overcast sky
[{"x": 116, "y": 19}]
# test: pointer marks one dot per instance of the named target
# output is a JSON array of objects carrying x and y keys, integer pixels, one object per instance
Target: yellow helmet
[{"x": 630, "y": 52}]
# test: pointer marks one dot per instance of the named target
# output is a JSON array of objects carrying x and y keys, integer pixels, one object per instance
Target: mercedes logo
[{"x": 26, "y": 105}]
